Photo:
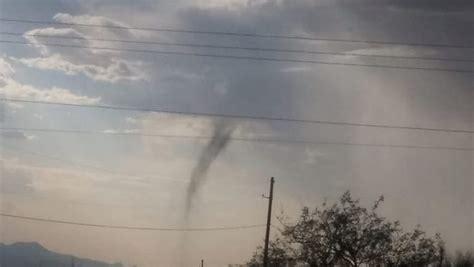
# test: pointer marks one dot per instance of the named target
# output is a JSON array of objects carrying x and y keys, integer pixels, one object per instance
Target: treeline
[{"x": 347, "y": 234}]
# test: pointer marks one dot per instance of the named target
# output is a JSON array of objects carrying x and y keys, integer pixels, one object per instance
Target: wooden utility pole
[
  {"x": 269, "y": 220},
  {"x": 202, "y": 263}
]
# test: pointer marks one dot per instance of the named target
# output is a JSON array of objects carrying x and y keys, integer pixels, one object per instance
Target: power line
[
  {"x": 270, "y": 59},
  {"x": 240, "y": 139},
  {"x": 263, "y": 49},
  {"x": 246, "y": 117},
  {"x": 236, "y": 34},
  {"x": 103, "y": 170},
  {"x": 132, "y": 227}
]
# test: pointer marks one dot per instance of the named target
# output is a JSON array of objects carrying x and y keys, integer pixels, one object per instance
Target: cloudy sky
[{"x": 137, "y": 180}]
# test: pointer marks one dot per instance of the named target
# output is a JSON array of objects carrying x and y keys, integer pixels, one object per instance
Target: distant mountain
[{"x": 35, "y": 255}]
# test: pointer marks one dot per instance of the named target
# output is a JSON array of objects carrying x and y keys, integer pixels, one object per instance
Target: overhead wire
[
  {"x": 122, "y": 227},
  {"x": 261, "y": 49},
  {"x": 235, "y": 116},
  {"x": 253, "y": 58},
  {"x": 236, "y": 34},
  {"x": 239, "y": 139}
]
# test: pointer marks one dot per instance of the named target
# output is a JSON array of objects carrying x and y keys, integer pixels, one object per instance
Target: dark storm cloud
[
  {"x": 257, "y": 87},
  {"x": 377, "y": 20},
  {"x": 282, "y": 17},
  {"x": 443, "y": 6}
]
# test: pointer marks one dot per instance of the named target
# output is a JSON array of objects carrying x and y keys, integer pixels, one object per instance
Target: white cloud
[
  {"x": 131, "y": 120},
  {"x": 10, "y": 88},
  {"x": 6, "y": 69},
  {"x": 16, "y": 90},
  {"x": 387, "y": 51},
  {"x": 220, "y": 3},
  {"x": 13, "y": 134},
  {"x": 97, "y": 64},
  {"x": 34, "y": 37},
  {"x": 18, "y": 135},
  {"x": 312, "y": 155},
  {"x": 221, "y": 88},
  {"x": 390, "y": 50},
  {"x": 99, "y": 20},
  {"x": 296, "y": 69},
  {"x": 117, "y": 70},
  {"x": 120, "y": 131},
  {"x": 38, "y": 116}
]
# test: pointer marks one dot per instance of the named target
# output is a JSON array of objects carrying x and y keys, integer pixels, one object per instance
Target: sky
[{"x": 143, "y": 180}]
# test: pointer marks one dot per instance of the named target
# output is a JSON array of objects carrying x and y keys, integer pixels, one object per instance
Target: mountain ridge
[{"x": 33, "y": 254}]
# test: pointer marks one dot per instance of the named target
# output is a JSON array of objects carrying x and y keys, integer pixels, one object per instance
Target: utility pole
[
  {"x": 202, "y": 263},
  {"x": 269, "y": 220}
]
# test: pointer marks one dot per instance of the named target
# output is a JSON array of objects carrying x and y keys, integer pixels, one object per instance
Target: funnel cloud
[{"x": 221, "y": 135}]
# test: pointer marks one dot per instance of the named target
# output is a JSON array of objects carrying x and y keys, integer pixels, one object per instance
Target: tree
[
  {"x": 313, "y": 235},
  {"x": 364, "y": 237},
  {"x": 344, "y": 232},
  {"x": 348, "y": 234},
  {"x": 415, "y": 249},
  {"x": 464, "y": 259},
  {"x": 278, "y": 254},
  {"x": 403, "y": 245},
  {"x": 441, "y": 250}
]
